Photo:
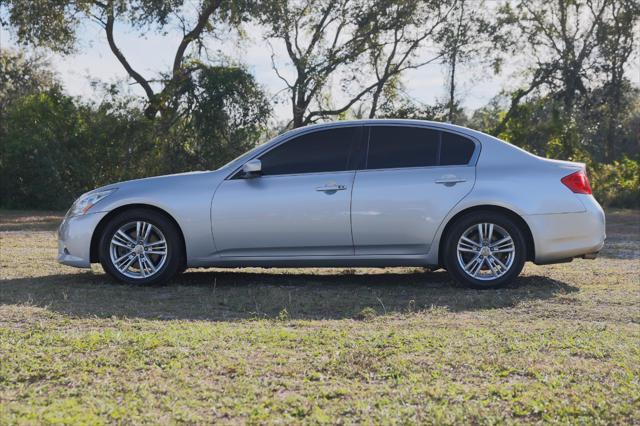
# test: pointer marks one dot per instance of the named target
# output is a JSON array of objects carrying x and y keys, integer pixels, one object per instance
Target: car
[{"x": 362, "y": 193}]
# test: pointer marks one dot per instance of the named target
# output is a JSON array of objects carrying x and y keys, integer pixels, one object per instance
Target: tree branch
[
  {"x": 194, "y": 34},
  {"x": 114, "y": 48},
  {"x": 539, "y": 79}
]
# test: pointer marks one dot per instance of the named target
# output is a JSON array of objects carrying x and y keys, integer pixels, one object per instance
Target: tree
[
  {"x": 225, "y": 114},
  {"x": 617, "y": 42},
  {"x": 22, "y": 75},
  {"x": 322, "y": 38},
  {"x": 471, "y": 35},
  {"x": 54, "y": 25},
  {"x": 561, "y": 37},
  {"x": 406, "y": 108},
  {"x": 403, "y": 27}
]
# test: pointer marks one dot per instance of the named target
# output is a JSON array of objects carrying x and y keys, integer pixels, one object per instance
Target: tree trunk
[
  {"x": 452, "y": 84},
  {"x": 614, "y": 114},
  {"x": 375, "y": 100}
]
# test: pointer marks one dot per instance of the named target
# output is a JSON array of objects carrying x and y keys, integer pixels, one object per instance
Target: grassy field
[{"x": 562, "y": 344}]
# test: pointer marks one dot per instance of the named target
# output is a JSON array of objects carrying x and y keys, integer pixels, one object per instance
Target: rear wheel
[
  {"x": 141, "y": 246},
  {"x": 485, "y": 250}
]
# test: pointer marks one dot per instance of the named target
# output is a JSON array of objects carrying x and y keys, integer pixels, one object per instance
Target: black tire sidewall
[
  {"x": 167, "y": 227},
  {"x": 461, "y": 225}
]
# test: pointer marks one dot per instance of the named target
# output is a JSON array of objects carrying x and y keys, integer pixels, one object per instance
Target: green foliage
[
  {"x": 616, "y": 184},
  {"x": 21, "y": 75},
  {"x": 55, "y": 147},
  {"x": 42, "y": 152},
  {"x": 540, "y": 127},
  {"x": 228, "y": 117}
]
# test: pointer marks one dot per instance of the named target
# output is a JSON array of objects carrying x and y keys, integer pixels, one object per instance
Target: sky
[{"x": 152, "y": 53}]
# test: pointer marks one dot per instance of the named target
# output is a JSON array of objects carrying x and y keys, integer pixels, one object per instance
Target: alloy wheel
[
  {"x": 138, "y": 249},
  {"x": 485, "y": 251}
]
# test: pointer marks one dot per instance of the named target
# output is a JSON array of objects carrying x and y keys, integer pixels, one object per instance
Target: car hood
[{"x": 154, "y": 179}]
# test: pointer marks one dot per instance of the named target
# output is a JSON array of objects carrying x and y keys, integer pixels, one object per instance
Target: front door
[
  {"x": 411, "y": 179},
  {"x": 298, "y": 206}
]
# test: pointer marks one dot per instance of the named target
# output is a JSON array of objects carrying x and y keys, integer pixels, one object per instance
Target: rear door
[{"x": 412, "y": 177}]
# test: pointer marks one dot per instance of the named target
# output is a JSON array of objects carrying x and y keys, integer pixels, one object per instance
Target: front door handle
[
  {"x": 331, "y": 188},
  {"x": 450, "y": 180}
]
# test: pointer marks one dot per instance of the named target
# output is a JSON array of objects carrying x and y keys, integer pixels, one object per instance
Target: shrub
[
  {"x": 42, "y": 149},
  {"x": 616, "y": 184}
]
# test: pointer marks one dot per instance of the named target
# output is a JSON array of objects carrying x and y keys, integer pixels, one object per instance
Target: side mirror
[{"x": 252, "y": 168}]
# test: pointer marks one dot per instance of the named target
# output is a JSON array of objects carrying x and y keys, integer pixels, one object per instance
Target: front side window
[
  {"x": 398, "y": 146},
  {"x": 321, "y": 151}
]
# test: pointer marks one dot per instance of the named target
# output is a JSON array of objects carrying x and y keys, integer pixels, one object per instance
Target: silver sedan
[{"x": 371, "y": 193}]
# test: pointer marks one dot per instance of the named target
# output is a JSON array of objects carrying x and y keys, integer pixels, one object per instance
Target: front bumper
[
  {"x": 568, "y": 235},
  {"x": 74, "y": 239}
]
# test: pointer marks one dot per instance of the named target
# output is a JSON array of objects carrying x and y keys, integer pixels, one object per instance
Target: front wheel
[
  {"x": 485, "y": 250},
  {"x": 141, "y": 246}
]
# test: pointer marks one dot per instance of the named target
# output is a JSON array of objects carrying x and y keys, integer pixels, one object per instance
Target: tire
[
  {"x": 146, "y": 263},
  {"x": 500, "y": 261}
]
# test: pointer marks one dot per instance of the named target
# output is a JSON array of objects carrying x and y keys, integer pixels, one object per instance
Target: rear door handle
[
  {"x": 331, "y": 187},
  {"x": 450, "y": 180}
]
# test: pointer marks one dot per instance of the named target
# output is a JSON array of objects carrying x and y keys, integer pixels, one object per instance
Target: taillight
[{"x": 578, "y": 182}]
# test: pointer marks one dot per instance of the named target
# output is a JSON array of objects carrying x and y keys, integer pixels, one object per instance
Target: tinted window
[
  {"x": 456, "y": 149},
  {"x": 397, "y": 146},
  {"x": 322, "y": 151}
]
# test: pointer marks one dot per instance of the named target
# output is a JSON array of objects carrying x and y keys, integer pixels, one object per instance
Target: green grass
[{"x": 561, "y": 344}]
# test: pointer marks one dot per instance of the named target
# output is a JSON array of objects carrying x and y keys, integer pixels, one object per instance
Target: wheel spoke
[
  {"x": 118, "y": 242},
  {"x": 490, "y": 232},
  {"x": 471, "y": 262},
  {"x": 127, "y": 238},
  {"x": 118, "y": 260},
  {"x": 480, "y": 233},
  {"x": 125, "y": 265},
  {"x": 474, "y": 265},
  {"x": 502, "y": 265},
  {"x": 139, "y": 226},
  {"x": 504, "y": 240},
  {"x": 155, "y": 243},
  {"x": 470, "y": 241},
  {"x": 467, "y": 250},
  {"x": 494, "y": 271},
  {"x": 509, "y": 250},
  {"x": 147, "y": 232},
  {"x": 466, "y": 247},
  {"x": 149, "y": 263},
  {"x": 478, "y": 266},
  {"x": 141, "y": 266}
]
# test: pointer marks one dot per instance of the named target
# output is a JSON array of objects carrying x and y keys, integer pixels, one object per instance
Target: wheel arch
[
  {"x": 95, "y": 237},
  {"x": 522, "y": 224}
]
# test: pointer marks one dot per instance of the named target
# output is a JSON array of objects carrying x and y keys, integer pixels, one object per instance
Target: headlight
[{"x": 86, "y": 201}]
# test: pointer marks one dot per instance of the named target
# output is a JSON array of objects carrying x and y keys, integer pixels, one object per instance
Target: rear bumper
[
  {"x": 74, "y": 239},
  {"x": 568, "y": 235}
]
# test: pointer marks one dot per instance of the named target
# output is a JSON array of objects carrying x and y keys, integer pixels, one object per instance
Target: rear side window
[
  {"x": 322, "y": 151},
  {"x": 397, "y": 146},
  {"x": 456, "y": 150}
]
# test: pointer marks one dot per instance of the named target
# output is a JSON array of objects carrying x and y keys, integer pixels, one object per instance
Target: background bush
[{"x": 616, "y": 184}]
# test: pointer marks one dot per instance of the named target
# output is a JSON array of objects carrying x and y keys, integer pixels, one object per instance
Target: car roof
[{"x": 388, "y": 121}]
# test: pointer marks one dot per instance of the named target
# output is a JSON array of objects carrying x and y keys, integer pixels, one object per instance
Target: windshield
[{"x": 246, "y": 154}]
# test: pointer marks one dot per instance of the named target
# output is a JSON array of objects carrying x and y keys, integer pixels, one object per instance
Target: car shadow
[{"x": 237, "y": 294}]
